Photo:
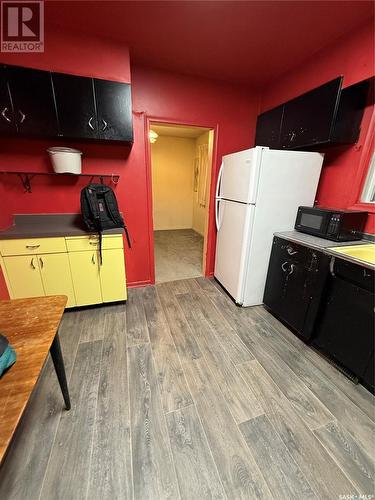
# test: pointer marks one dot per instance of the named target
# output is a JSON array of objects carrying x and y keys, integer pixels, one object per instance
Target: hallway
[{"x": 178, "y": 255}]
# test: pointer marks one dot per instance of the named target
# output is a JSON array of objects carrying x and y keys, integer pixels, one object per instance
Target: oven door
[{"x": 312, "y": 220}]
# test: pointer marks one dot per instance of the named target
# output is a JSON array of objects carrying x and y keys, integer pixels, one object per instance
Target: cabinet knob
[
  {"x": 93, "y": 258},
  {"x": 105, "y": 125},
  {"x": 3, "y": 114},
  {"x": 23, "y": 116},
  {"x": 90, "y": 123},
  {"x": 32, "y": 263},
  {"x": 41, "y": 262}
]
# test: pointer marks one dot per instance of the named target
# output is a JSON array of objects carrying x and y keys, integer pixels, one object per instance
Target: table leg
[{"x": 58, "y": 362}]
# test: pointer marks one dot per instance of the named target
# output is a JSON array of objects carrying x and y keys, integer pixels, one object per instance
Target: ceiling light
[{"x": 153, "y": 136}]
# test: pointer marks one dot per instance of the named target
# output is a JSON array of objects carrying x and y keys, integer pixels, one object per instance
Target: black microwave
[{"x": 330, "y": 223}]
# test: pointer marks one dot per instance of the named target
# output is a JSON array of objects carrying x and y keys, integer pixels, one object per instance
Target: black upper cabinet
[
  {"x": 268, "y": 128},
  {"x": 350, "y": 111},
  {"x": 309, "y": 118},
  {"x": 7, "y": 121},
  {"x": 114, "y": 110},
  {"x": 39, "y": 103},
  {"x": 323, "y": 116},
  {"x": 75, "y": 103},
  {"x": 33, "y": 101}
]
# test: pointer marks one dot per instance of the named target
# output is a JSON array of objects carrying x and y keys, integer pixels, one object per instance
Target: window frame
[
  {"x": 363, "y": 169},
  {"x": 368, "y": 188}
]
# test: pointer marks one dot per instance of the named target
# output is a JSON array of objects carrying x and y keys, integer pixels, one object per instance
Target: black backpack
[{"x": 100, "y": 211}]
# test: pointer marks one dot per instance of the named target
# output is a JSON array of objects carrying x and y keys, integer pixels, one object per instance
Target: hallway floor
[
  {"x": 182, "y": 395},
  {"x": 178, "y": 255}
]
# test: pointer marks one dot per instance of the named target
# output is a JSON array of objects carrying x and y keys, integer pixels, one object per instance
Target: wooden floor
[{"x": 181, "y": 394}]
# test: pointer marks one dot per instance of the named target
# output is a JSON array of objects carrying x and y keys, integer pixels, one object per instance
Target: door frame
[{"x": 209, "y": 237}]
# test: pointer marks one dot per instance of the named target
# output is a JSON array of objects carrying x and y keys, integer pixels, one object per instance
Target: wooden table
[{"x": 31, "y": 326}]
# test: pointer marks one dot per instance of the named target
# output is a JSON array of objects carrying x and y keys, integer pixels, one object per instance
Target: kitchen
[{"x": 208, "y": 363}]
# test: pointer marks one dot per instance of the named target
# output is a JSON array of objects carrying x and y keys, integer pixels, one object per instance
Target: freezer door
[
  {"x": 234, "y": 228},
  {"x": 240, "y": 174}
]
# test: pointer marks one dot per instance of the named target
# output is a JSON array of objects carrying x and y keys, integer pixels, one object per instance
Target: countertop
[
  {"x": 325, "y": 245},
  {"x": 48, "y": 225}
]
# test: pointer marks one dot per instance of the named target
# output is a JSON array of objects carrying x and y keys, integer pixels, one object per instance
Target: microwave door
[{"x": 313, "y": 222}]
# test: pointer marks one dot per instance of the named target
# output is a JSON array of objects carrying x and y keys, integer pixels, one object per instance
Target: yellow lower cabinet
[
  {"x": 85, "y": 275},
  {"x": 112, "y": 275},
  {"x": 56, "y": 276},
  {"x": 24, "y": 276}
]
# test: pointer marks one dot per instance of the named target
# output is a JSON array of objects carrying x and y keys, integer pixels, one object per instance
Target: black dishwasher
[
  {"x": 295, "y": 283},
  {"x": 345, "y": 330}
]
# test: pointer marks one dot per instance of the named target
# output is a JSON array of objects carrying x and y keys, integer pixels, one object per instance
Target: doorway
[{"x": 181, "y": 163}]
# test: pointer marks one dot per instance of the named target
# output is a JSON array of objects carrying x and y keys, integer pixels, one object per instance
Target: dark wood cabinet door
[
  {"x": 7, "y": 121},
  {"x": 286, "y": 293},
  {"x": 309, "y": 119},
  {"x": 114, "y": 110},
  {"x": 345, "y": 330},
  {"x": 369, "y": 375},
  {"x": 75, "y": 103},
  {"x": 269, "y": 127},
  {"x": 353, "y": 101},
  {"x": 33, "y": 101}
]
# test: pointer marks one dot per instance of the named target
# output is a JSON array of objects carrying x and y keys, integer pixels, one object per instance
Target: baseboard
[{"x": 138, "y": 284}]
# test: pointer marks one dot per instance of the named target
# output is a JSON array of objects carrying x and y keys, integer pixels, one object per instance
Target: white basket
[{"x": 65, "y": 160}]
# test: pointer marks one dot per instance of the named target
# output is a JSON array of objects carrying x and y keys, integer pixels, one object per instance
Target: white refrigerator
[{"x": 258, "y": 192}]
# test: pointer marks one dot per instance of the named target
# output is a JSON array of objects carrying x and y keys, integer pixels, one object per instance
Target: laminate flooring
[{"x": 179, "y": 394}]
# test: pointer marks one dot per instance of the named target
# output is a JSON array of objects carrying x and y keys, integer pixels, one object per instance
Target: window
[{"x": 368, "y": 192}]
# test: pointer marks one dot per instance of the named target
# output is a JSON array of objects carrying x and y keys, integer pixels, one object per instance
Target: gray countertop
[
  {"x": 325, "y": 245},
  {"x": 315, "y": 242},
  {"x": 48, "y": 225}
]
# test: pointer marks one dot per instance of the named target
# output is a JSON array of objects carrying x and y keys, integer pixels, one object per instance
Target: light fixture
[{"x": 153, "y": 136}]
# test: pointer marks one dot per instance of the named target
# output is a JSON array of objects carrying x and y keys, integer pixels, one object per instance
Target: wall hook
[
  {"x": 25, "y": 179},
  {"x": 115, "y": 178}
]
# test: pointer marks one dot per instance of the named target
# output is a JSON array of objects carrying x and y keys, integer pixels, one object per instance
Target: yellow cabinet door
[
  {"x": 56, "y": 276},
  {"x": 24, "y": 276},
  {"x": 85, "y": 276},
  {"x": 112, "y": 275}
]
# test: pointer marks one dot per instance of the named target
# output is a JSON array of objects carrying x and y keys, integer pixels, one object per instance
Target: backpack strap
[
  {"x": 85, "y": 209},
  {"x": 94, "y": 208},
  {"x": 92, "y": 200},
  {"x": 111, "y": 203},
  {"x": 127, "y": 236},
  {"x": 100, "y": 247}
]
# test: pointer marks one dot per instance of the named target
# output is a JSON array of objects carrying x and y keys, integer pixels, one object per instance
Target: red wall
[
  {"x": 231, "y": 109},
  {"x": 353, "y": 57}
]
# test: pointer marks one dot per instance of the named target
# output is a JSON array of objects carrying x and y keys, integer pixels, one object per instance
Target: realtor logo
[{"x": 22, "y": 26}]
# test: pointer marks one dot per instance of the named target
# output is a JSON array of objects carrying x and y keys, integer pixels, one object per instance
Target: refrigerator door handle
[
  {"x": 219, "y": 179},
  {"x": 219, "y": 221},
  {"x": 217, "y": 201}
]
